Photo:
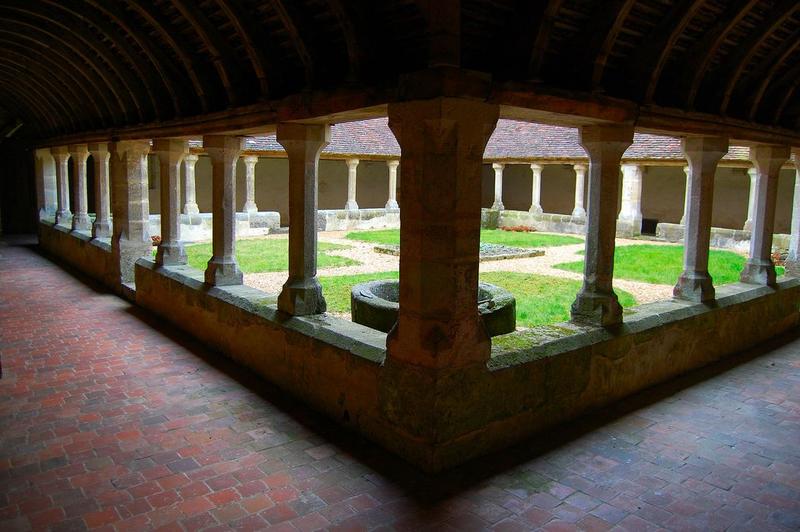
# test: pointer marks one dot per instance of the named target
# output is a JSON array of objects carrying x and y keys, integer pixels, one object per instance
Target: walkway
[{"x": 111, "y": 420}]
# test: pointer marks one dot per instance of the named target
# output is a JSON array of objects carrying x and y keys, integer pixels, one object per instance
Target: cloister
[{"x": 126, "y": 96}]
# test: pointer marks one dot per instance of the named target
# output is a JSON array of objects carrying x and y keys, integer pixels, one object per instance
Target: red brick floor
[{"x": 112, "y": 420}]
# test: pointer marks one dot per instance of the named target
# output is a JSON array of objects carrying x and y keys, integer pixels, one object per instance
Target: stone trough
[{"x": 375, "y": 305}]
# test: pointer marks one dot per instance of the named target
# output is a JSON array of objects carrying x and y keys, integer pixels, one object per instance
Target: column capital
[
  {"x": 769, "y": 158},
  {"x": 130, "y": 147},
  {"x": 393, "y": 163},
  {"x": 706, "y": 145},
  {"x": 611, "y": 139},
  {"x": 500, "y": 166},
  {"x": 222, "y": 146},
  {"x": 60, "y": 152},
  {"x": 78, "y": 149},
  {"x": 579, "y": 168},
  {"x": 173, "y": 147},
  {"x": 42, "y": 153},
  {"x": 351, "y": 162},
  {"x": 190, "y": 158},
  {"x": 290, "y": 132},
  {"x": 250, "y": 160},
  {"x": 98, "y": 148},
  {"x": 631, "y": 166},
  {"x": 752, "y": 172}
]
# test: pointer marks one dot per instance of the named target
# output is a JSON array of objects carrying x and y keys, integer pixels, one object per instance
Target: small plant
[
  {"x": 156, "y": 240},
  {"x": 519, "y": 229},
  {"x": 779, "y": 257}
]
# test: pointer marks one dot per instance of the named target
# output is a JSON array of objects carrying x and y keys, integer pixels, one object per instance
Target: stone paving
[{"x": 114, "y": 421}]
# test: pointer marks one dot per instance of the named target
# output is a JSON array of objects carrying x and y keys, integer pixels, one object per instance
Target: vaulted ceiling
[{"x": 68, "y": 66}]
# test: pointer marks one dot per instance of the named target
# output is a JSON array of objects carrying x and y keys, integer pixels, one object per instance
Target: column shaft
[
  {"x": 190, "y": 207},
  {"x": 63, "y": 214},
  {"x": 102, "y": 197},
  {"x": 302, "y": 293},
  {"x": 703, "y": 155},
  {"x": 793, "y": 259},
  {"x": 250, "y": 184},
  {"x": 391, "y": 204},
  {"x": 352, "y": 174},
  {"x": 46, "y": 194},
  {"x": 596, "y": 303},
  {"x": 536, "y": 189},
  {"x": 170, "y": 156},
  {"x": 498, "y": 187},
  {"x": 579, "y": 212},
  {"x": 686, "y": 195},
  {"x": 79, "y": 154},
  {"x": 131, "y": 205},
  {"x": 442, "y": 142},
  {"x": 223, "y": 269},
  {"x": 767, "y": 160},
  {"x": 630, "y": 215},
  {"x": 751, "y": 198}
]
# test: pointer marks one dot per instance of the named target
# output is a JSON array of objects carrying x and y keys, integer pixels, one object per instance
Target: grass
[
  {"x": 664, "y": 264},
  {"x": 541, "y": 300},
  {"x": 488, "y": 236},
  {"x": 265, "y": 255}
]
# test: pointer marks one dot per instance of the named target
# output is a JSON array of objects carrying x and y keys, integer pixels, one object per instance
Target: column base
[
  {"x": 759, "y": 272},
  {"x": 222, "y": 272},
  {"x": 536, "y": 209},
  {"x": 351, "y": 205},
  {"x": 392, "y": 205},
  {"x": 250, "y": 208},
  {"x": 64, "y": 218},
  {"x": 169, "y": 254},
  {"x": 498, "y": 206},
  {"x": 748, "y": 225},
  {"x": 595, "y": 308},
  {"x": 101, "y": 230},
  {"x": 792, "y": 267},
  {"x": 694, "y": 286},
  {"x": 302, "y": 297},
  {"x": 579, "y": 213},
  {"x": 627, "y": 227},
  {"x": 191, "y": 208},
  {"x": 81, "y": 222}
]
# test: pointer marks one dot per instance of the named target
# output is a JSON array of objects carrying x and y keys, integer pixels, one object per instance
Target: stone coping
[
  {"x": 522, "y": 347},
  {"x": 84, "y": 236},
  {"x": 361, "y": 341}
]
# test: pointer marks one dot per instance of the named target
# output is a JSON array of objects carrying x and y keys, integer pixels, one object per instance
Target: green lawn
[
  {"x": 664, "y": 264},
  {"x": 265, "y": 255},
  {"x": 541, "y": 300},
  {"x": 488, "y": 236}
]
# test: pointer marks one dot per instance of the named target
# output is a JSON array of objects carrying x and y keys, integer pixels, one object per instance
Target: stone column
[
  {"x": 685, "y": 196},
  {"x": 352, "y": 172},
  {"x": 703, "y": 155},
  {"x": 748, "y": 224},
  {"x": 223, "y": 269},
  {"x": 250, "y": 184},
  {"x": 579, "y": 212},
  {"x": 630, "y": 215},
  {"x": 79, "y": 153},
  {"x": 793, "y": 259},
  {"x": 190, "y": 207},
  {"x": 170, "y": 156},
  {"x": 767, "y": 160},
  {"x": 391, "y": 204},
  {"x": 498, "y": 186},
  {"x": 596, "y": 303},
  {"x": 302, "y": 294},
  {"x": 130, "y": 204},
  {"x": 536, "y": 189},
  {"x": 442, "y": 141},
  {"x": 63, "y": 214},
  {"x": 46, "y": 194},
  {"x": 101, "y": 228}
]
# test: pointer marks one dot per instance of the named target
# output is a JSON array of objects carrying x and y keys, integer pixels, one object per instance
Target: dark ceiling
[{"x": 68, "y": 66}]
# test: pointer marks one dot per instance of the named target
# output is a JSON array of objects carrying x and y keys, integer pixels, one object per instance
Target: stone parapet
[
  {"x": 545, "y": 222},
  {"x": 721, "y": 237},
  {"x": 346, "y": 220}
]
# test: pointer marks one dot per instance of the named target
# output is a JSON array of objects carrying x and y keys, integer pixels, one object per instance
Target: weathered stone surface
[
  {"x": 352, "y": 183},
  {"x": 629, "y": 222},
  {"x": 391, "y": 203},
  {"x": 250, "y": 184},
  {"x": 170, "y": 153},
  {"x": 63, "y": 214},
  {"x": 189, "y": 184},
  {"x": 547, "y": 222},
  {"x": 101, "y": 228},
  {"x": 344, "y": 220},
  {"x": 792, "y": 262},
  {"x": 46, "y": 194},
  {"x": 79, "y": 154}
]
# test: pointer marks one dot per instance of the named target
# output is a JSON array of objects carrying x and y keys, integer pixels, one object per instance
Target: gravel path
[{"x": 375, "y": 262}]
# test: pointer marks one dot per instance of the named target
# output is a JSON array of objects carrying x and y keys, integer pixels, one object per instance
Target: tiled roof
[{"x": 511, "y": 140}]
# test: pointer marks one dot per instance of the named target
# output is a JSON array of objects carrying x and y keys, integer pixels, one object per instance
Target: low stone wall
[
  {"x": 79, "y": 250},
  {"x": 546, "y": 222},
  {"x": 197, "y": 227},
  {"x": 735, "y": 239},
  {"x": 344, "y": 220}
]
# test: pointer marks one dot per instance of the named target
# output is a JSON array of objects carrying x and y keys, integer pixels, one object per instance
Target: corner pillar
[
  {"x": 131, "y": 205},
  {"x": 753, "y": 174},
  {"x": 579, "y": 212},
  {"x": 391, "y": 204},
  {"x": 170, "y": 154},
  {"x": 596, "y": 303},
  {"x": 793, "y": 259},
  {"x": 302, "y": 294},
  {"x": 63, "y": 213},
  {"x": 250, "y": 162},
  {"x": 536, "y": 189},
  {"x": 498, "y": 186},
  {"x": 46, "y": 195},
  {"x": 703, "y": 155},
  {"x": 223, "y": 269},
  {"x": 352, "y": 174},
  {"x": 630, "y": 215},
  {"x": 190, "y": 207},
  {"x": 442, "y": 141},
  {"x": 79, "y": 153},
  {"x": 767, "y": 160},
  {"x": 101, "y": 228}
]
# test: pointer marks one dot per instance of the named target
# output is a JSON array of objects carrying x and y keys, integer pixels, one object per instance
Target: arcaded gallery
[{"x": 400, "y": 265}]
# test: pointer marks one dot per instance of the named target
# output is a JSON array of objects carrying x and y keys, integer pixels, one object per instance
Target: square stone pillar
[
  {"x": 101, "y": 228},
  {"x": 498, "y": 186},
  {"x": 79, "y": 153},
  {"x": 793, "y": 259},
  {"x": 686, "y": 195},
  {"x": 131, "y": 205},
  {"x": 579, "y": 212},
  {"x": 63, "y": 213},
  {"x": 767, "y": 160},
  {"x": 629, "y": 222},
  {"x": 442, "y": 141},
  {"x": 753, "y": 174},
  {"x": 391, "y": 204},
  {"x": 223, "y": 269},
  {"x": 596, "y": 303},
  {"x": 703, "y": 154},
  {"x": 302, "y": 293},
  {"x": 190, "y": 207},
  {"x": 536, "y": 189},
  {"x": 250, "y": 162},
  {"x": 352, "y": 175},
  {"x": 46, "y": 195},
  {"x": 170, "y": 154}
]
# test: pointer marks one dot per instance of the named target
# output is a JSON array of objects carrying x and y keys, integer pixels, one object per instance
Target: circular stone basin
[{"x": 375, "y": 304}]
